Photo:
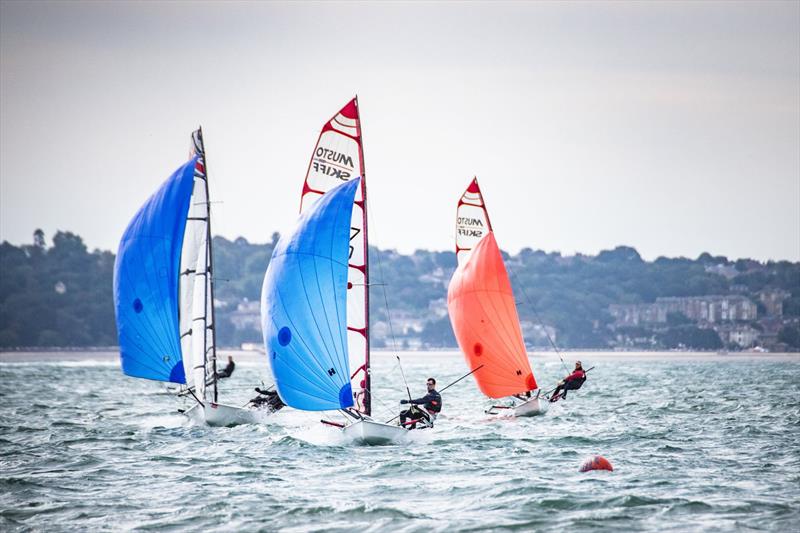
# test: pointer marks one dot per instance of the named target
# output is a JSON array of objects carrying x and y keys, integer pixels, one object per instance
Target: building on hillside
[
  {"x": 437, "y": 277},
  {"x": 710, "y": 309},
  {"x": 405, "y": 323},
  {"x": 773, "y": 300},
  {"x": 743, "y": 335},
  {"x": 536, "y": 334},
  {"x": 726, "y": 271},
  {"x": 379, "y": 330},
  {"x": 247, "y": 315},
  {"x": 438, "y": 308},
  {"x": 637, "y": 314}
]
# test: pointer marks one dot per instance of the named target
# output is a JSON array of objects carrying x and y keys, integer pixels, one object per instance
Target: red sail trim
[
  {"x": 327, "y": 127},
  {"x": 350, "y": 110},
  {"x": 470, "y": 211},
  {"x": 474, "y": 188}
]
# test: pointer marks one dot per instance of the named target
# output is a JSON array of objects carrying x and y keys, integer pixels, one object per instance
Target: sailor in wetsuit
[
  {"x": 268, "y": 398},
  {"x": 571, "y": 382},
  {"x": 224, "y": 373},
  {"x": 432, "y": 403},
  {"x": 228, "y": 370}
]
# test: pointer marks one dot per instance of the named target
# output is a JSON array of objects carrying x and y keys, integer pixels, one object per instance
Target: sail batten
[{"x": 481, "y": 305}]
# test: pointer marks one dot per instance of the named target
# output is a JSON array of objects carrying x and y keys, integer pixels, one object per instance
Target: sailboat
[
  {"x": 164, "y": 292},
  {"x": 316, "y": 327},
  {"x": 483, "y": 312}
]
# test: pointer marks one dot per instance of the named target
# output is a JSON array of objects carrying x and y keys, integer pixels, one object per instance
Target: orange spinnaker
[{"x": 486, "y": 324}]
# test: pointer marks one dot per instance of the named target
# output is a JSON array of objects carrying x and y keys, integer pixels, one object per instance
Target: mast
[
  {"x": 209, "y": 276},
  {"x": 367, "y": 370}
]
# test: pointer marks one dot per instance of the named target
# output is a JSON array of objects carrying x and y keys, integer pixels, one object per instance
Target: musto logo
[
  {"x": 469, "y": 227},
  {"x": 332, "y": 163}
]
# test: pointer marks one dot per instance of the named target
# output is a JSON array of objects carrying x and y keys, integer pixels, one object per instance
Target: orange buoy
[{"x": 598, "y": 462}]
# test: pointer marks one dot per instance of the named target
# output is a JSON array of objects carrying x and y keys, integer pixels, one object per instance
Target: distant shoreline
[{"x": 112, "y": 354}]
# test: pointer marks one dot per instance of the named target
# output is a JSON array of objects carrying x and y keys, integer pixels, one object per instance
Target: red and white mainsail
[
  {"x": 472, "y": 221},
  {"x": 337, "y": 157}
]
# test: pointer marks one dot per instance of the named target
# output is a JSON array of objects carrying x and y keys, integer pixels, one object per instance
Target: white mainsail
[{"x": 195, "y": 283}]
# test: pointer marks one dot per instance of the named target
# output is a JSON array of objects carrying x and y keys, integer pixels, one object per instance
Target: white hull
[
  {"x": 221, "y": 415},
  {"x": 533, "y": 407},
  {"x": 374, "y": 433}
]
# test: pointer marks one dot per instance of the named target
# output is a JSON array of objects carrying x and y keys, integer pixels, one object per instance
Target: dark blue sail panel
[
  {"x": 304, "y": 306},
  {"x": 146, "y": 282}
]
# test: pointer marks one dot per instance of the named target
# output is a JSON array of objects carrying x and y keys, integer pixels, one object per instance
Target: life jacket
[
  {"x": 434, "y": 405},
  {"x": 577, "y": 383}
]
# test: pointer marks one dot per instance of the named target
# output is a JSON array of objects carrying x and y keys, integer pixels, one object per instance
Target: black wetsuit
[
  {"x": 269, "y": 398},
  {"x": 432, "y": 402},
  {"x": 227, "y": 371}
]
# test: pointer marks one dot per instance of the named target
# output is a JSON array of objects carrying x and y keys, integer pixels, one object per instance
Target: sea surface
[{"x": 705, "y": 443}]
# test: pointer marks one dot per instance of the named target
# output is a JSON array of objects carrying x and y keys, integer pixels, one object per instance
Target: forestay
[
  {"x": 146, "y": 291},
  {"x": 303, "y": 306},
  {"x": 338, "y": 157}
]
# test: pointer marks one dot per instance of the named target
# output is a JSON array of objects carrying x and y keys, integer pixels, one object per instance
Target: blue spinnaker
[
  {"x": 304, "y": 306},
  {"x": 146, "y": 282}
]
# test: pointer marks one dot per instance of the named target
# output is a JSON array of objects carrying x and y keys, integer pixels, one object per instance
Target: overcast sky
[{"x": 671, "y": 127}]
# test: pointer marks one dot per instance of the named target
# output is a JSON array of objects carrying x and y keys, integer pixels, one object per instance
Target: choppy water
[{"x": 712, "y": 445}]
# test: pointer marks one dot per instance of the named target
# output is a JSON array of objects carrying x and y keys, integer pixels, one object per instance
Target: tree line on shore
[{"x": 61, "y": 295}]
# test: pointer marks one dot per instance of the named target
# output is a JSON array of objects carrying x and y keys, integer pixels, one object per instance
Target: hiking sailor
[
  {"x": 268, "y": 398},
  {"x": 224, "y": 373},
  {"x": 228, "y": 370},
  {"x": 432, "y": 403},
  {"x": 572, "y": 382}
]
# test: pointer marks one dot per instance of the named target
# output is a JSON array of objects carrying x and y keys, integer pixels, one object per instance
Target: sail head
[{"x": 472, "y": 221}]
